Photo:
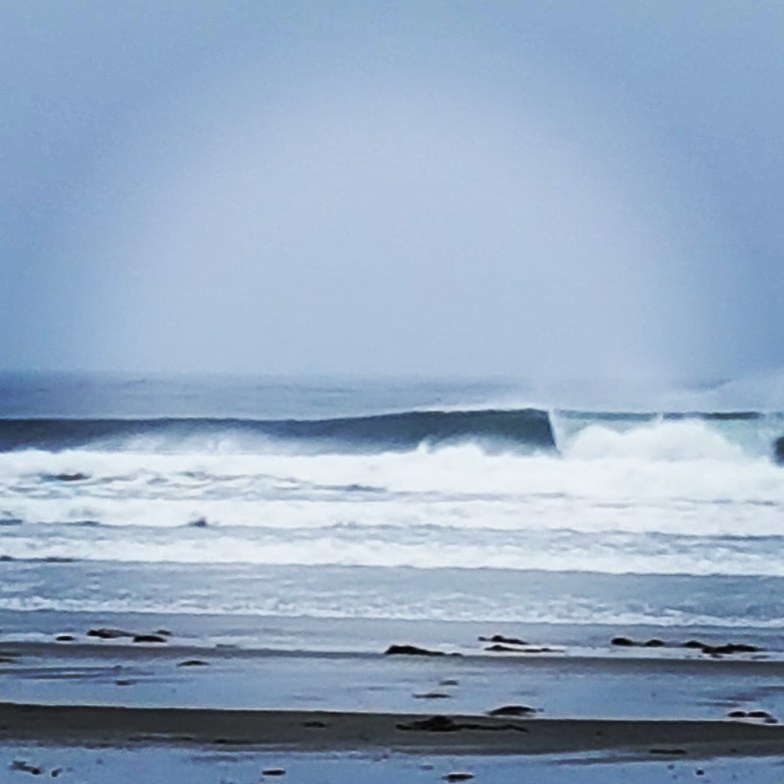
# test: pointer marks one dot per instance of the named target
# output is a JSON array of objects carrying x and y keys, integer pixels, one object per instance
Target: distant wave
[
  {"x": 523, "y": 428},
  {"x": 623, "y": 416}
]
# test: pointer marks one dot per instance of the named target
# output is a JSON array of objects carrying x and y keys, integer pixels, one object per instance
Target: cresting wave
[{"x": 527, "y": 429}]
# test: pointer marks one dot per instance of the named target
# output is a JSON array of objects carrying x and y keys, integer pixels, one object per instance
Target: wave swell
[{"x": 528, "y": 429}]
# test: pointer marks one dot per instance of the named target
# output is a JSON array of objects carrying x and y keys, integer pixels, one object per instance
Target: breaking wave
[{"x": 526, "y": 429}]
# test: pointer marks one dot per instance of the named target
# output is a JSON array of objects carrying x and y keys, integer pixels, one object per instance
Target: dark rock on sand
[
  {"x": 506, "y": 640},
  {"x": 65, "y": 638},
  {"x": 759, "y": 714},
  {"x": 76, "y": 477},
  {"x": 109, "y": 634},
  {"x": 199, "y": 522},
  {"x": 622, "y": 641},
  {"x": 273, "y": 772},
  {"x": 673, "y": 752},
  {"x": 449, "y": 682},
  {"x": 410, "y": 650},
  {"x": 25, "y": 767},
  {"x": 458, "y": 776},
  {"x": 654, "y": 643},
  {"x": 192, "y": 663},
  {"x": 432, "y": 695},
  {"x": 432, "y": 724},
  {"x": 511, "y": 710},
  {"x": 737, "y": 714},
  {"x": 149, "y": 638}
]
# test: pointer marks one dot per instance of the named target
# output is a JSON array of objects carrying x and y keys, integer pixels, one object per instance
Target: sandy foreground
[{"x": 90, "y": 710}]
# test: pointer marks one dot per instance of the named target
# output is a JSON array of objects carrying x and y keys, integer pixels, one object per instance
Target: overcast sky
[{"x": 530, "y": 189}]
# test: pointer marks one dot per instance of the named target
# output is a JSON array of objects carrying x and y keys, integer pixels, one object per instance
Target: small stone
[
  {"x": 65, "y": 638},
  {"x": 410, "y": 650},
  {"x": 511, "y": 710},
  {"x": 432, "y": 695},
  {"x": 149, "y": 638},
  {"x": 25, "y": 767},
  {"x": 622, "y": 641},
  {"x": 507, "y": 640},
  {"x": 273, "y": 772},
  {"x": 432, "y": 724},
  {"x": 192, "y": 663},
  {"x": 458, "y": 776},
  {"x": 104, "y": 633}
]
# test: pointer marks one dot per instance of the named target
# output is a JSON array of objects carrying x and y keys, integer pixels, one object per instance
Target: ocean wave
[{"x": 402, "y": 431}]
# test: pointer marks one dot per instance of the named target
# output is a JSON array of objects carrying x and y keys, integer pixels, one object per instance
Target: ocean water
[{"x": 435, "y": 501}]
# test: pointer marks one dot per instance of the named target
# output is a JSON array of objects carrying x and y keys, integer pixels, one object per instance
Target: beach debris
[
  {"x": 192, "y": 663},
  {"x": 432, "y": 695},
  {"x": 25, "y": 767},
  {"x": 411, "y": 650},
  {"x": 505, "y": 640},
  {"x": 458, "y": 776},
  {"x": 445, "y": 724},
  {"x": 148, "y": 638},
  {"x": 65, "y": 638},
  {"x": 622, "y": 641},
  {"x": 625, "y": 642},
  {"x": 78, "y": 476},
  {"x": 729, "y": 648},
  {"x": 432, "y": 724},
  {"x": 498, "y": 648},
  {"x": 105, "y": 633},
  {"x": 273, "y": 772},
  {"x": 707, "y": 648},
  {"x": 768, "y": 718},
  {"x": 511, "y": 710}
]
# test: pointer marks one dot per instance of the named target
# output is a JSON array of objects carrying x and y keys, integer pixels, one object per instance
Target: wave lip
[{"x": 522, "y": 428}]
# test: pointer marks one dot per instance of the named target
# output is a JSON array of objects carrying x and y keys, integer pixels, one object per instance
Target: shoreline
[{"x": 340, "y": 731}]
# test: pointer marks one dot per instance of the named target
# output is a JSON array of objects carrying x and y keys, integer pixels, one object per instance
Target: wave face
[
  {"x": 417, "y": 498},
  {"x": 524, "y": 429}
]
